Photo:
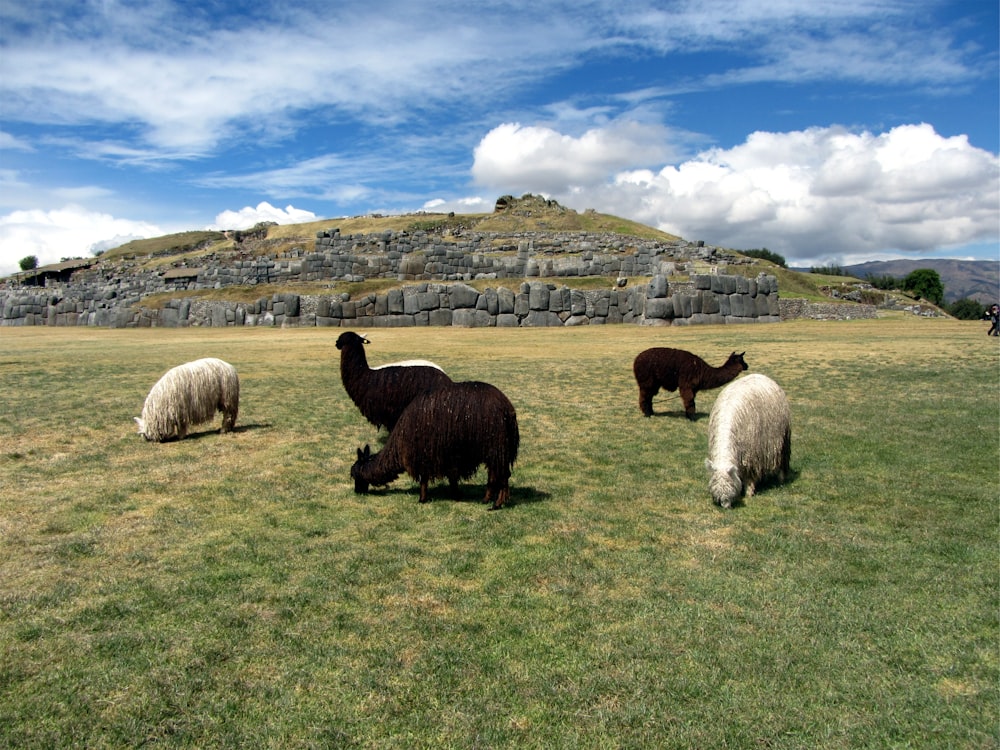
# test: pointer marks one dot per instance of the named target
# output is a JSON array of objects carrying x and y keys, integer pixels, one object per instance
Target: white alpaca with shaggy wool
[
  {"x": 749, "y": 438},
  {"x": 189, "y": 395}
]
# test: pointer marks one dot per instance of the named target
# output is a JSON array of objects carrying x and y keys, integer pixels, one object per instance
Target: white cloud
[
  {"x": 185, "y": 83},
  {"x": 469, "y": 205},
  {"x": 249, "y": 215},
  {"x": 13, "y": 143},
  {"x": 545, "y": 160},
  {"x": 821, "y": 193},
  {"x": 68, "y": 232}
]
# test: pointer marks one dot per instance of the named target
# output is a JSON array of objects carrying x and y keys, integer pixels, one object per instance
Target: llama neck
[
  {"x": 718, "y": 376},
  {"x": 353, "y": 365}
]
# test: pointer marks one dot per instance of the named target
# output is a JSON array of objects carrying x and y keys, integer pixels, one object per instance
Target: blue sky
[{"x": 830, "y": 131}]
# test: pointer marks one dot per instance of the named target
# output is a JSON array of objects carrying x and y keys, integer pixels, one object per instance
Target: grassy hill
[
  {"x": 527, "y": 214},
  {"x": 513, "y": 215}
]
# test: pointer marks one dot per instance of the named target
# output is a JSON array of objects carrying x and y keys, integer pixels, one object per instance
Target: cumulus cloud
[
  {"x": 822, "y": 194},
  {"x": 469, "y": 205},
  {"x": 68, "y": 232},
  {"x": 249, "y": 215},
  {"x": 547, "y": 161}
]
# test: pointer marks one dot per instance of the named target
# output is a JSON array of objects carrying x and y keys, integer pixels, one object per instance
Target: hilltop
[
  {"x": 512, "y": 220},
  {"x": 529, "y": 213}
]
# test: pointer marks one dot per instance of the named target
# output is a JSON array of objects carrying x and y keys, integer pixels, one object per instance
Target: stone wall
[
  {"x": 418, "y": 256},
  {"x": 800, "y": 308},
  {"x": 112, "y": 293},
  {"x": 707, "y": 298}
]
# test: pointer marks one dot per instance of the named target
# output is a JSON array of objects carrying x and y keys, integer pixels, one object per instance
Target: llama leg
[
  {"x": 646, "y": 400},
  {"x": 423, "y": 490},
  {"x": 687, "y": 396},
  {"x": 501, "y": 498},
  {"x": 499, "y": 493}
]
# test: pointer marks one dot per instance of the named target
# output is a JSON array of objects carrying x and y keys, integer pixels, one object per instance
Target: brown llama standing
[
  {"x": 382, "y": 393},
  {"x": 676, "y": 369},
  {"x": 447, "y": 433}
]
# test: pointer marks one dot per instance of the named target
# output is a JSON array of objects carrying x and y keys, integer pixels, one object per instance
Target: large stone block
[
  {"x": 505, "y": 301},
  {"x": 507, "y": 320},
  {"x": 441, "y": 316},
  {"x": 541, "y": 319},
  {"x": 462, "y": 296},
  {"x": 736, "y": 305},
  {"x": 538, "y": 296},
  {"x": 394, "y": 301},
  {"x": 659, "y": 308},
  {"x": 657, "y": 288}
]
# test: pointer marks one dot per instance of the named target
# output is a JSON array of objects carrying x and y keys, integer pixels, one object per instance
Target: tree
[
  {"x": 883, "y": 281},
  {"x": 967, "y": 309},
  {"x": 28, "y": 263},
  {"x": 765, "y": 254},
  {"x": 926, "y": 283},
  {"x": 831, "y": 270}
]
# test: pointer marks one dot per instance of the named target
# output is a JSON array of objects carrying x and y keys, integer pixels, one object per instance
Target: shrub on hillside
[
  {"x": 765, "y": 254},
  {"x": 967, "y": 309},
  {"x": 883, "y": 281}
]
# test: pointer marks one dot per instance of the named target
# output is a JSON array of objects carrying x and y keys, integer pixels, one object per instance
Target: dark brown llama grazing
[
  {"x": 673, "y": 369},
  {"x": 381, "y": 394},
  {"x": 448, "y": 433}
]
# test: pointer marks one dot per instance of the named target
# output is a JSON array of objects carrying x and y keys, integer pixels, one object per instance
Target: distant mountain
[{"x": 975, "y": 279}]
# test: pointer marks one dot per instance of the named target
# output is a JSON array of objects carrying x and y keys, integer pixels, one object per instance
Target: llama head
[
  {"x": 725, "y": 484},
  {"x": 349, "y": 338},
  {"x": 734, "y": 357},
  {"x": 142, "y": 427},
  {"x": 357, "y": 470}
]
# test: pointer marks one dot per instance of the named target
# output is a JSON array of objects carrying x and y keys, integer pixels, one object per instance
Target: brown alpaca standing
[
  {"x": 673, "y": 369},
  {"x": 447, "y": 433}
]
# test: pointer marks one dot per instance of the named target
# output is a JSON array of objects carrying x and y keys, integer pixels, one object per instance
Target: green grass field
[{"x": 233, "y": 591}]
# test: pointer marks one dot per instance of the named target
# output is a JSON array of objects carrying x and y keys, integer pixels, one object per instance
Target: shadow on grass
[
  {"x": 240, "y": 428},
  {"x": 764, "y": 486},
  {"x": 467, "y": 493},
  {"x": 678, "y": 415}
]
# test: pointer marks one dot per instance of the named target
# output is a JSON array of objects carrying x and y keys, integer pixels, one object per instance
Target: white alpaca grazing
[
  {"x": 190, "y": 394},
  {"x": 749, "y": 438}
]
